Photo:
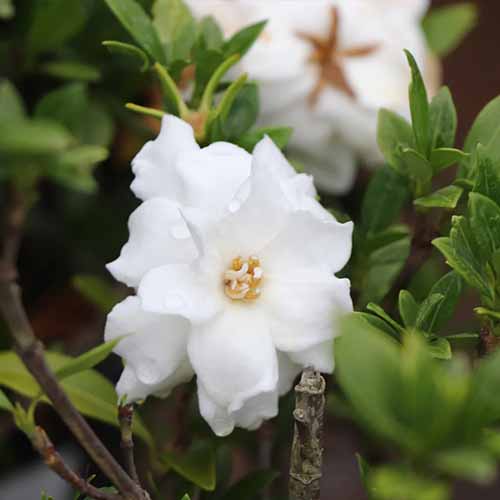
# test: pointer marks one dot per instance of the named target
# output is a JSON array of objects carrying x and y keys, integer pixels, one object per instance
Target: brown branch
[
  {"x": 42, "y": 443},
  {"x": 488, "y": 342},
  {"x": 126, "y": 416},
  {"x": 31, "y": 352},
  {"x": 307, "y": 451}
]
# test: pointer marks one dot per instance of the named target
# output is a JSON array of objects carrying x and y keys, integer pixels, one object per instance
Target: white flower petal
[
  {"x": 183, "y": 290},
  {"x": 154, "y": 345},
  {"x": 288, "y": 371},
  {"x": 234, "y": 357},
  {"x": 319, "y": 356},
  {"x": 304, "y": 307},
  {"x": 154, "y": 165},
  {"x": 307, "y": 242},
  {"x": 158, "y": 236}
]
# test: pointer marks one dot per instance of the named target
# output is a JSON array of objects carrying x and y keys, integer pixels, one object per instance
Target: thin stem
[
  {"x": 42, "y": 443},
  {"x": 126, "y": 417},
  {"x": 31, "y": 352},
  {"x": 307, "y": 450}
]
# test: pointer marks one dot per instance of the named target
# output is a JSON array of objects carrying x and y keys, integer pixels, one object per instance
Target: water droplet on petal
[
  {"x": 234, "y": 206},
  {"x": 148, "y": 372},
  {"x": 180, "y": 232},
  {"x": 174, "y": 301}
]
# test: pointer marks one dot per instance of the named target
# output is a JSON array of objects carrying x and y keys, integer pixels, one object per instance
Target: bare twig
[
  {"x": 42, "y": 443},
  {"x": 307, "y": 451},
  {"x": 126, "y": 416},
  {"x": 31, "y": 352}
]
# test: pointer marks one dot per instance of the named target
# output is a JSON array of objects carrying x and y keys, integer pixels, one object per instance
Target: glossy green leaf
[
  {"x": 417, "y": 168},
  {"x": 379, "y": 324},
  {"x": 408, "y": 308},
  {"x": 129, "y": 50},
  {"x": 5, "y": 404},
  {"x": 97, "y": 290},
  {"x": 87, "y": 360},
  {"x": 485, "y": 126},
  {"x": 53, "y": 22},
  {"x": 251, "y": 486},
  {"x": 419, "y": 107},
  {"x": 91, "y": 393},
  {"x": 450, "y": 287},
  {"x": 211, "y": 33},
  {"x": 197, "y": 465},
  {"x": 384, "y": 198},
  {"x": 241, "y": 41},
  {"x": 461, "y": 340},
  {"x": 427, "y": 312},
  {"x": 443, "y": 119},
  {"x": 485, "y": 223},
  {"x": 446, "y": 157},
  {"x": 393, "y": 134},
  {"x": 133, "y": 18},
  {"x": 446, "y": 197},
  {"x": 71, "y": 70},
  {"x": 11, "y": 103},
  {"x": 439, "y": 348},
  {"x": 34, "y": 137},
  {"x": 445, "y": 27},
  {"x": 279, "y": 135},
  {"x": 487, "y": 180},
  {"x": 376, "y": 309}
]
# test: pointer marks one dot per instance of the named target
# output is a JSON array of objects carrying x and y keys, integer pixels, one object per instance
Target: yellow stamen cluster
[{"x": 243, "y": 279}]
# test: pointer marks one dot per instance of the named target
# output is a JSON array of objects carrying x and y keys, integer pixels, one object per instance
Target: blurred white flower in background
[
  {"x": 234, "y": 274},
  {"x": 326, "y": 67}
]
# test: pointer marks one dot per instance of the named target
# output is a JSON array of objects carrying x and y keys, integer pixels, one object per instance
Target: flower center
[{"x": 242, "y": 280}]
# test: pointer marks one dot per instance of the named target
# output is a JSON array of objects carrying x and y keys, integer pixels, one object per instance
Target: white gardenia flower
[
  {"x": 255, "y": 303},
  {"x": 326, "y": 67}
]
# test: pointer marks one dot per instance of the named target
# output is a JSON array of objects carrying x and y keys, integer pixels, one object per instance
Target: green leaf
[
  {"x": 71, "y": 70},
  {"x": 485, "y": 223},
  {"x": 364, "y": 471},
  {"x": 11, "y": 103},
  {"x": 450, "y": 287},
  {"x": 376, "y": 309},
  {"x": 176, "y": 26},
  {"x": 487, "y": 180},
  {"x": 279, "y": 135},
  {"x": 211, "y": 33},
  {"x": 445, "y": 157},
  {"x": 461, "y": 340},
  {"x": 171, "y": 93},
  {"x": 5, "y": 404},
  {"x": 427, "y": 312},
  {"x": 419, "y": 107},
  {"x": 408, "y": 308},
  {"x": 446, "y": 197},
  {"x": 7, "y": 10},
  {"x": 398, "y": 483},
  {"x": 197, "y": 465},
  {"x": 53, "y": 22},
  {"x": 393, "y": 134},
  {"x": 87, "y": 360},
  {"x": 485, "y": 126},
  {"x": 128, "y": 50},
  {"x": 133, "y": 18},
  {"x": 91, "y": 393},
  {"x": 97, "y": 290},
  {"x": 35, "y": 137},
  {"x": 469, "y": 463},
  {"x": 241, "y": 41},
  {"x": 443, "y": 119},
  {"x": 417, "y": 168},
  {"x": 439, "y": 348},
  {"x": 251, "y": 486},
  {"x": 379, "y": 324},
  {"x": 445, "y": 27},
  {"x": 384, "y": 198}
]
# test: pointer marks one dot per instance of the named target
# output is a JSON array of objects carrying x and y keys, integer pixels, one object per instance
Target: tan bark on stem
[{"x": 307, "y": 448}]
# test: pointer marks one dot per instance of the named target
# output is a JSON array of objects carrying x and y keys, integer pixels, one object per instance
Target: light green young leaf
[
  {"x": 443, "y": 119},
  {"x": 87, "y": 360},
  {"x": 485, "y": 223},
  {"x": 279, "y": 135},
  {"x": 445, "y": 157},
  {"x": 439, "y": 348},
  {"x": 197, "y": 465},
  {"x": 11, "y": 103},
  {"x": 211, "y": 33},
  {"x": 53, "y": 22},
  {"x": 485, "y": 126},
  {"x": 417, "y": 168},
  {"x": 91, "y": 393},
  {"x": 470, "y": 463},
  {"x": 133, "y": 18},
  {"x": 408, "y": 308},
  {"x": 176, "y": 26},
  {"x": 251, "y": 486},
  {"x": 445, "y": 27},
  {"x": 128, "y": 50},
  {"x": 34, "y": 137},
  {"x": 393, "y": 134},
  {"x": 419, "y": 107},
  {"x": 447, "y": 197},
  {"x": 71, "y": 70},
  {"x": 5, "y": 404},
  {"x": 241, "y": 41}
]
